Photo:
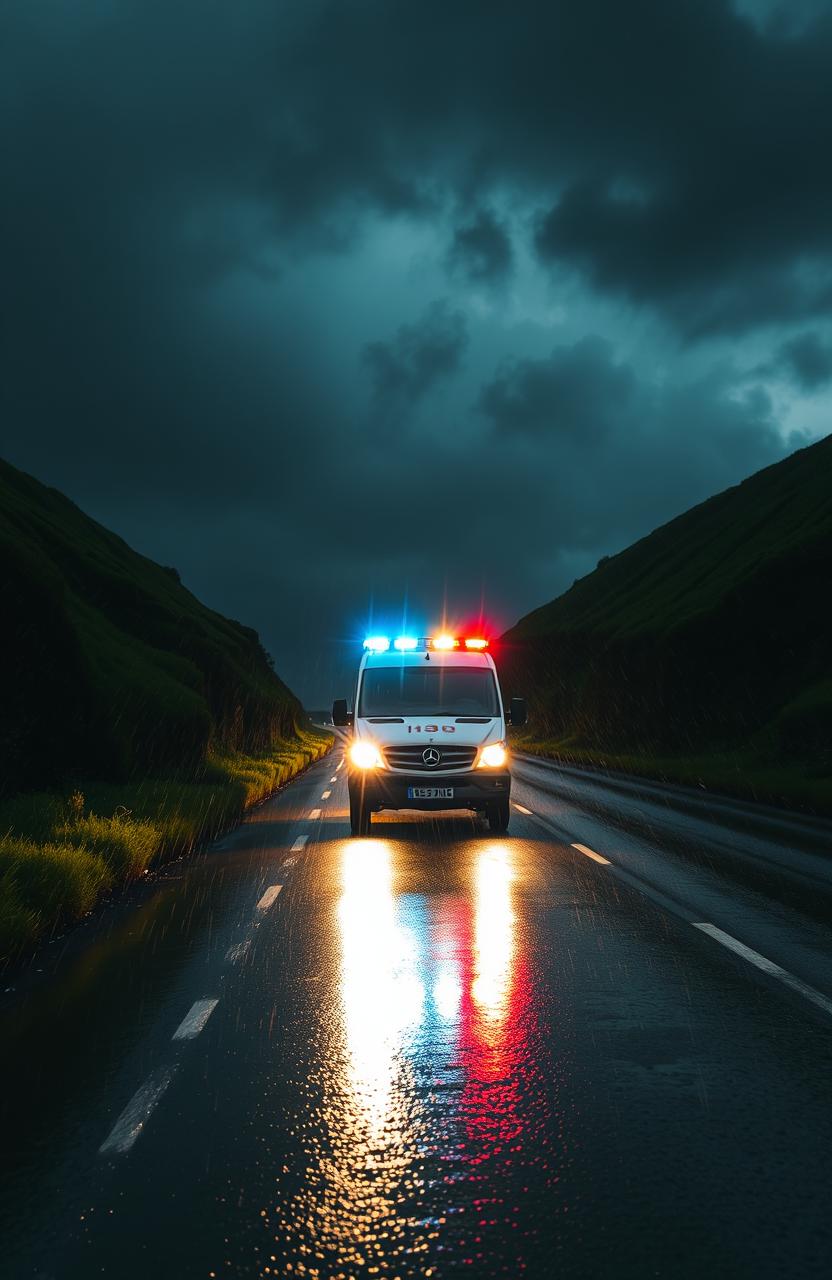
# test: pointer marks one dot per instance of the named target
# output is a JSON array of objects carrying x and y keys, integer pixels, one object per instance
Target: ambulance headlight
[
  {"x": 365, "y": 755},
  {"x": 494, "y": 756}
]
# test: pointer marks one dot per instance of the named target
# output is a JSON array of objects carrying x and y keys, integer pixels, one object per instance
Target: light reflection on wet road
[
  {"x": 439, "y": 1053},
  {"x": 432, "y": 1061}
]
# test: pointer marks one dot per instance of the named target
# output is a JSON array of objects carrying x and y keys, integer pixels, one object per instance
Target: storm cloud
[
  {"x": 406, "y": 367},
  {"x": 578, "y": 393},
  {"x": 481, "y": 249},
  {"x": 308, "y": 300},
  {"x": 806, "y": 359}
]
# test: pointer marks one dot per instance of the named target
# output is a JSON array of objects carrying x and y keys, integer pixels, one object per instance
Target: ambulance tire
[
  {"x": 498, "y": 816},
  {"x": 360, "y": 816}
]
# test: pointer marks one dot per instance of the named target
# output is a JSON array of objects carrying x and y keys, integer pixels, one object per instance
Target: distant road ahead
[{"x": 597, "y": 1046}]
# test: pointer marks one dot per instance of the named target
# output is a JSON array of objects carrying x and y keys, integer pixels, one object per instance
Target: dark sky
[{"x": 350, "y": 309}]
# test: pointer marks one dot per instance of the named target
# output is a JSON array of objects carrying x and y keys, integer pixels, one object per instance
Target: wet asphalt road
[{"x": 436, "y": 1052}]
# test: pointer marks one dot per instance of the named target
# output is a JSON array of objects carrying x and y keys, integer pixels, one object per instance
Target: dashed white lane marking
[
  {"x": 288, "y": 862},
  {"x": 136, "y": 1114},
  {"x": 339, "y": 766},
  {"x": 521, "y": 808},
  {"x": 590, "y": 853},
  {"x": 325, "y": 795},
  {"x": 269, "y": 897},
  {"x": 313, "y": 814},
  {"x": 196, "y": 1018},
  {"x": 299, "y": 843},
  {"x": 334, "y": 777},
  {"x": 767, "y": 966},
  {"x": 236, "y": 953}
]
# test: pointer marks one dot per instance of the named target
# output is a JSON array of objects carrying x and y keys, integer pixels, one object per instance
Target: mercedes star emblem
[{"x": 431, "y": 757}]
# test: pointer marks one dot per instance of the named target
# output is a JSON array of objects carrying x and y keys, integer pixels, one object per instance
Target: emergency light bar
[{"x": 442, "y": 642}]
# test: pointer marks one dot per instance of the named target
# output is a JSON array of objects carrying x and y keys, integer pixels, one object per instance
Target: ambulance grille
[{"x": 410, "y": 758}]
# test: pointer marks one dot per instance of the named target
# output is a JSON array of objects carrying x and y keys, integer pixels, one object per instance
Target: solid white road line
[
  {"x": 590, "y": 853},
  {"x": 269, "y": 897},
  {"x": 193, "y": 1022},
  {"x": 136, "y": 1114},
  {"x": 325, "y": 795},
  {"x": 236, "y": 953},
  {"x": 767, "y": 966},
  {"x": 313, "y": 814},
  {"x": 522, "y": 809},
  {"x": 299, "y": 843}
]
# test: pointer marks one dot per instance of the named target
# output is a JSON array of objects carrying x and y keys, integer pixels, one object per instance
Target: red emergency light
[{"x": 445, "y": 642}]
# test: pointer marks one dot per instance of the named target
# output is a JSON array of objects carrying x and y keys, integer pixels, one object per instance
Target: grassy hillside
[
  {"x": 702, "y": 651},
  {"x": 109, "y": 665},
  {"x": 134, "y": 721}
]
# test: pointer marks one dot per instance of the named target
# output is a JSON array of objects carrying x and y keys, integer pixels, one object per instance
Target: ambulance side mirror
[
  {"x": 340, "y": 715},
  {"x": 517, "y": 715}
]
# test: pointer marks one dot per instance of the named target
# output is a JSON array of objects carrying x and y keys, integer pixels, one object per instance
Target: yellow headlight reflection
[
  {"x": 494, "y": 756},
  {"x": 382, "y": 996},
  {"x": 364, "y": 755}
]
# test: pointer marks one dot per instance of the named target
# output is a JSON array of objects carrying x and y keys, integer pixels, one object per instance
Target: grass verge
[
  {"x": 59, "y": 852},
  {"x": 742, "y": 773}
]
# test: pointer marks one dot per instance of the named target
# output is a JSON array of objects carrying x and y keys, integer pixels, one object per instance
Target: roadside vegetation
[
  {"x": 135, "y": 723},
  {"x": 61, "y": 851},
  {"x": 701, "y": 654}
]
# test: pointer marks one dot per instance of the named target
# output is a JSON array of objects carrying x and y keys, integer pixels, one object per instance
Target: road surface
[{"x": 597, "y": 1046}]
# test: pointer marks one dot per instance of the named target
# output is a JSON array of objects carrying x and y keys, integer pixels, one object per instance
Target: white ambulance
[{"x": 428, "y": 729}]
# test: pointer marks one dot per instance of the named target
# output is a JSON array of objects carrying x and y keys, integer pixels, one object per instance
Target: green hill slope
[
  {"x": 134, "y": 721},
  {"x": 108, "y": 665},
  {"x": 710, "y": 639}
]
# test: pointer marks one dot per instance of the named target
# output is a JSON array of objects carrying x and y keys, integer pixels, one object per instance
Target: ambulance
[{"x": 428, "y": 729}]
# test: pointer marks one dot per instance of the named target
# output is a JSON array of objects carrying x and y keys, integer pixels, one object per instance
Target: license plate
[{"x": 430, "y": 793}]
